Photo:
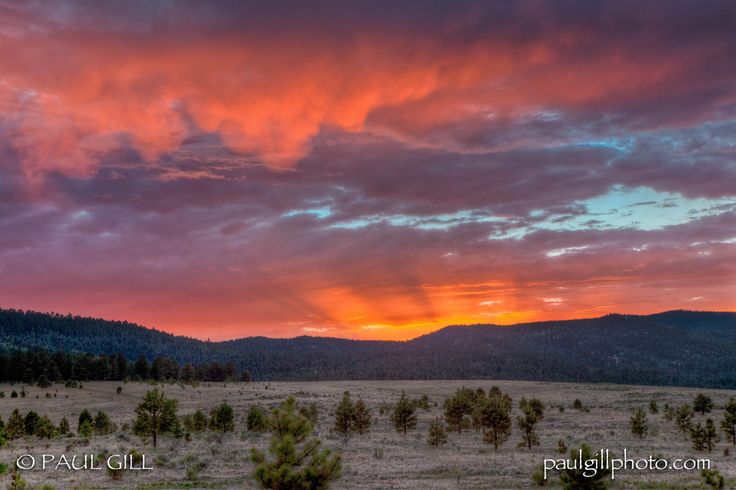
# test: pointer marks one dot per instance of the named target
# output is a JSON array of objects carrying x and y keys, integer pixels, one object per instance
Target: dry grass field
[{"x": 381, "y": 459}]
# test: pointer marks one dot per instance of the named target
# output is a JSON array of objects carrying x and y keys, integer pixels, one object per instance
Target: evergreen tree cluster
[
  {"x": 31, "y": 424},
  {"x": 44, "y": 368},
  {"x": 352, "y": 416},
  {"x": 487, "y": 412},
  {"x": 491, "y": 413},
  {"x": 703, "y": 434}
]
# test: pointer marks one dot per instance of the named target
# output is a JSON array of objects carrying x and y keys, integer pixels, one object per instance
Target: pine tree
[
  {"x": 533, "y": 405},
  {"x": 728, "y": 424},
  {"x": 140, "y": 368},
  {"x": 102, "y": 424},
  {"x": 436, "y": 435},
  {"x": 298, "y": 461},
  {"x": 684, "y": 418},
  {"x": 16, "y": 427},
  {"x": 496, "y": 421},
  {"x": 64, "y": 428},
  {"x": 196, "y": 422},
  {"x": 43, "y": 382},
  {"x": 187, "y": 373},
  {"x": 423, "y": 402},
  {"x": 704, "y": 436},
  {"x": 120, "y": 367},
  {"x": 576, "y": 478},
  {"x": 713, "y": 478},
  {"x": 222, "y": 418},
  {"x": 697, "y": 436},
  {"x": 458, "y": 409},
  {"x": 85, "y": 429},
  {"x": 702, "y": 404},
  {"x": 476, "y": 416},
  {"x": 361, "y": 417},
  {"x": 653, "y": 408},
  {"x": 155, "y": 415},
  {"x": 84, "y": 416},
  {"x": 638, "y": 423},
  {"x": 31, "y": 422},
  {"x": 669, "y": 412},
  {"x": 495, "y": 392},
  {"x": 476, "y": 406},
  {"x": 710, "y": 434},
  {"x": 532, "y": 412},
  {"x": 403, "y": 417},
  {"x": 256, "y": 419},
  {"x": 199, "y": 421},
  {"x": 344, "y": 415},
  {"x": 52, "y": 372},
  {"x": 45, "y": 428}
]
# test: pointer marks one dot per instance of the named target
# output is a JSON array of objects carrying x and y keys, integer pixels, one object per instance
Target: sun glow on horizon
[{"x": 221, "y": 170}]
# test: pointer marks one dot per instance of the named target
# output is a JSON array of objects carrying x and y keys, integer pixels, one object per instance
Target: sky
[{"x": 372, "y": 170}]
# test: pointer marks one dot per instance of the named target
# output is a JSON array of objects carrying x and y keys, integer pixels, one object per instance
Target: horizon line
[{"x": 234, "y": 339}]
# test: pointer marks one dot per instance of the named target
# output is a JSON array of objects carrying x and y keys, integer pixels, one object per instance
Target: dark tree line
[
  {"x": 677, "y": 348},
  {"x": 44, "y": 367}
]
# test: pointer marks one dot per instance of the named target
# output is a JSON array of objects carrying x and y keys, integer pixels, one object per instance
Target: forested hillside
[{"x": 671, "y": 348}]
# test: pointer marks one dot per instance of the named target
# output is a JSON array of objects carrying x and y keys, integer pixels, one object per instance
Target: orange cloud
[{"x": 75, "y": 94}]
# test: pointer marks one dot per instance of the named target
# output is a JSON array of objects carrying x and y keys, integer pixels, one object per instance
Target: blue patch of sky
[
  {"x": 641, "y": 208},
  {"x": 645, "y": 208},
  {"x": 321, "y": 212}
]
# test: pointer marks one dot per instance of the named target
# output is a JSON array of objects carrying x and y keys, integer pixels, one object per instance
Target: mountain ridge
[
  {"x": 126, "y": 323},
  {"x": 689, "y": 348}
]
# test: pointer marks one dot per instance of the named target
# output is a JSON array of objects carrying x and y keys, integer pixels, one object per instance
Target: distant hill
[{"x": 685, "y": 348}]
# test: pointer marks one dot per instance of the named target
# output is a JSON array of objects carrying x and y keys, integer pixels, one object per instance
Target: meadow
[{"x": 379, "y": 459}]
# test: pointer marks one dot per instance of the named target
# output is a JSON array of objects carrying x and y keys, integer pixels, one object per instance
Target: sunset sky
[{"x": 366, "y": 169}]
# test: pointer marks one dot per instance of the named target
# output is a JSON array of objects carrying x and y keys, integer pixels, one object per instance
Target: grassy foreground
[{"x": 382, "y": 458}]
